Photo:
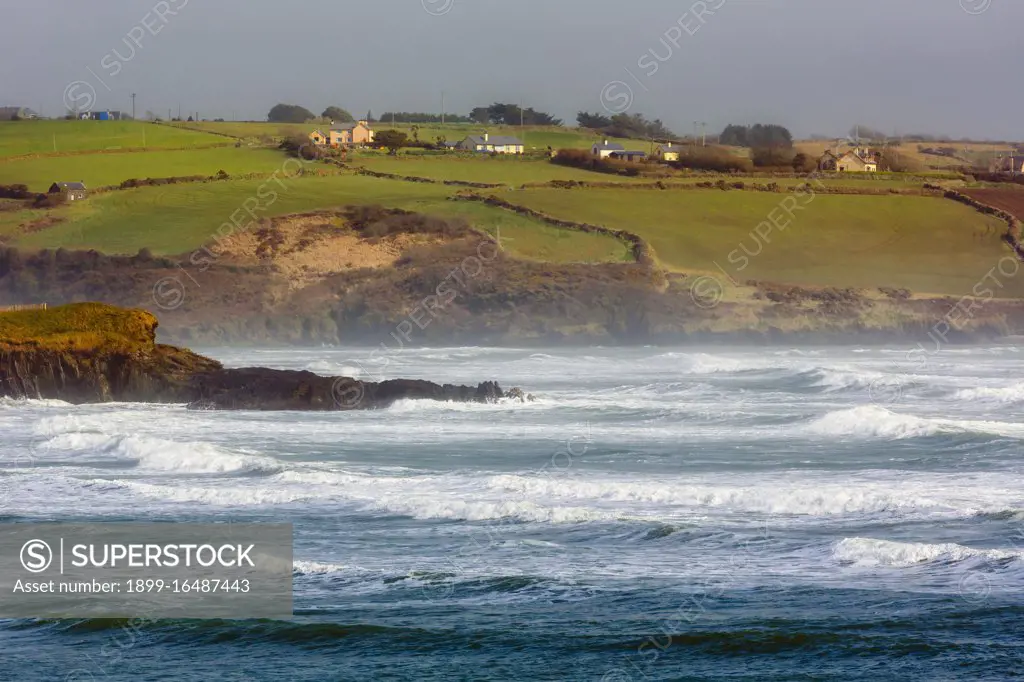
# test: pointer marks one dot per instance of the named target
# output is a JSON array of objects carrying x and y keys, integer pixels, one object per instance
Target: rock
[{"x": 90, "y": 353}]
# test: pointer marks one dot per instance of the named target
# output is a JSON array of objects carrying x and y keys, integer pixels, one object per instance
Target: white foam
[
  {"x": 663, "y": 498},
  {"x": 869, "y": 552},
  {"x": 414, "y": 405},
  {"x": 871, "y": 421},
  {"x": 1003, "y": 394},
  {"x": 317, "y": 568},
  {"x": 849, "y": 378},
  {"x": 187, "y": 458},
  {"x": 22, "y": 403}
]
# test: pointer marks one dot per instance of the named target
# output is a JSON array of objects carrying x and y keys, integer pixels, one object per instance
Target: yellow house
[
  {"x": 318, "y": 137},
  {"x": 853, "y": 161},
  {"x": 667, "y": 152},
  {"x": 359, "y": 132}
]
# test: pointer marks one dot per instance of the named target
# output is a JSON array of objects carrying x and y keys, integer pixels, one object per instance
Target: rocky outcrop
[{"x": 87, "y": 353}]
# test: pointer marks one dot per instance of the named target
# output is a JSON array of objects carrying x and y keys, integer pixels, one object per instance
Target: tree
[
  {"x": 733, "y": 135},
  {"x": 759, "y": 135},
  {"x": 337, "y": 114},
  {"x": 511, "y": 114},
  {"x": 802, "y": 163},
  {"x": 392, "y": 140},
  {"x": 772, "y": 157},
  {"x": 480, "y": 115},
  {"x": 289, "y": 113},
  {"x": 638, "y": 127},
  {"x": 593, "y": 121},
  {"x": 369, "y": 116}
]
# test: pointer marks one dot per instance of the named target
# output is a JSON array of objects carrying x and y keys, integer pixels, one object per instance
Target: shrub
[
  {"x": 713, "y": 159},
  {"x": 773, "y": 157},
  {"x": 15, "y": 192}
]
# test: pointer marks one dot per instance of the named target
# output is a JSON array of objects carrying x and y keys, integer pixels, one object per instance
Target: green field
[
  {"x": 512, "y": 171},
  {"x": 247, "y": 130},
  {"x": 97, "y": 170},
  {"x": 922, "y": 243},
  {"x": 174, "y": 219},
  {"x": 18, "y": 138}
]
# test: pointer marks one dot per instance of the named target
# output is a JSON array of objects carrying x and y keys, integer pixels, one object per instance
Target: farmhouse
[
  {"x": 668, "y": 152},
  {"x": 317, "y": 137},
  {"x": 603, "y": 150},
  {"x": 72, "y": 191},
  {"x": 358, "y": 132},
  {"x": 859, "y": 160},
  {"x": 497, "y": 144}
]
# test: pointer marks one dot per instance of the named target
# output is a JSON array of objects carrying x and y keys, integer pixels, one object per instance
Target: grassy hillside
[
  {"x": 967, "y": 153},
  {"x": 80, "y": 326},
  {"x": 925, "y": 244},
  {"x": 48, "y": 137},
  {"x": 174, "y": 219},
  {"x": 98, "y": 170},
  {"x": 510, "y": 171}
]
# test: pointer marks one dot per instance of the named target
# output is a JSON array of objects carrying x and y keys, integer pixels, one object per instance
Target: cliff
[{"x": 91, "y": 353}]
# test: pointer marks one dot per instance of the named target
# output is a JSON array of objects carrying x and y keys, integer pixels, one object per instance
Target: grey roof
[
  {"x": 497, "y": 140},
  {"x": 669, "y": 148},
  {"x": 610, "y": 146},
  {"x": 70, "y": 185},
  {"x": 630, "y": 152}
]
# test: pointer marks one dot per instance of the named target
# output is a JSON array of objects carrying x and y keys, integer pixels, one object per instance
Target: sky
[{"x": 816, "y": 66}]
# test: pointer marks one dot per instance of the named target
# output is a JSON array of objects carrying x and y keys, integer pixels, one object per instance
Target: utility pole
[
  {"x": 442, "y": 107},
  {"x": 133, "y": 106}
]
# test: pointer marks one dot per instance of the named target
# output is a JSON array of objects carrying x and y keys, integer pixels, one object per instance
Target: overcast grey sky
[{"x": 817, "y": 66}]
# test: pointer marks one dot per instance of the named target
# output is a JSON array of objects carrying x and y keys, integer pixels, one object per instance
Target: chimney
[
  {"x": 606, "y": 143},
  {"x": 487, "y": 137}
]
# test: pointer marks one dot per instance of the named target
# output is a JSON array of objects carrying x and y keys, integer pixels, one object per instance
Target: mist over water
[{"x": 654, "y": 514}]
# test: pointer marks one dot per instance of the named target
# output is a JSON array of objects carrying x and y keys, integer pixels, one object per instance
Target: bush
[
  {"x": 15, "y": 192},
  {"x": 712, "y": 159},
  {"x": 773, "y": 157},
  {"x": 376, "y": 222}
]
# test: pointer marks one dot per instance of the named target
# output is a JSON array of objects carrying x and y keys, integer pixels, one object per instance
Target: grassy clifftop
[{"x": 78, "y": 327}]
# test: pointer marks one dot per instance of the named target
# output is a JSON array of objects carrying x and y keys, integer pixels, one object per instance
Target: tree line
[
  {"x": 496, "y": 114},
  {"x": 625, "y": 125}
]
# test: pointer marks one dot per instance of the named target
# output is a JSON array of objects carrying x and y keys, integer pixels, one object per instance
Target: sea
[{"x": 653, "y": 514}]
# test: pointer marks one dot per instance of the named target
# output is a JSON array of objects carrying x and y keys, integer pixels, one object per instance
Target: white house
[
  {"x": 604, "y": 149},
  {"x": 498, "y": 144}
]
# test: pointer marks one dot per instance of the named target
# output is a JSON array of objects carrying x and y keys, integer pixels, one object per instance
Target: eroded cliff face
[
  {"x": 93, "y": 353},
  {"x": 161, "y": 374}
]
